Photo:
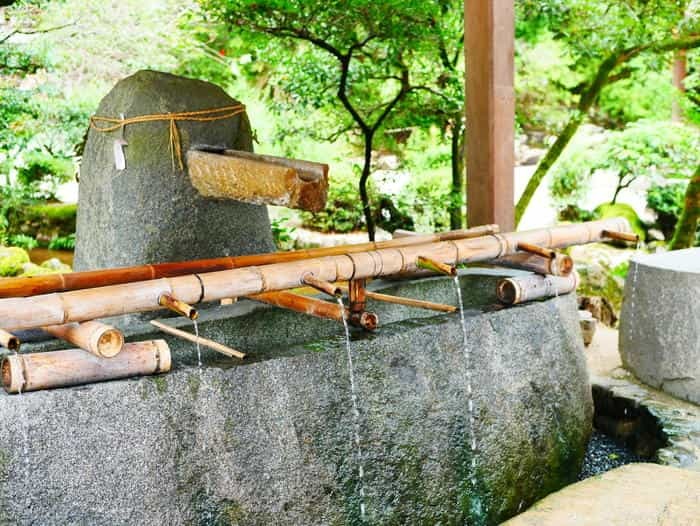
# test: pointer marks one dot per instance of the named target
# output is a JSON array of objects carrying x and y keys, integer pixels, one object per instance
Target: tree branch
[{"x": 33, "y": 31}]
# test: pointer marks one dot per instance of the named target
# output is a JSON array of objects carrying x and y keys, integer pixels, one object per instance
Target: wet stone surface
[{"x": 603, "y": 454}]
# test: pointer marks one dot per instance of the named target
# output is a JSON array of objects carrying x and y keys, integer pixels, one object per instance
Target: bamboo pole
[
  {"x": 527, "y": 288},
  {"x": 559, "y": 265},
  {"x": 178, "y": 307},
  {"x": 218, "y": 347},
  {"x": 91, "y": 336},
  {"x": 9, "y": 341},
  {"x": 540, "y": 251},
  {"x": 90, "y": 304},
  {"x": 317, "y": 308},
  {"x": 48, "y": 370},
  {"x": 408, "y": 302},
  {"x": 321, "y": 285},
  {"x": 621, "y": 236},
  {"x": 36, "y": 285}
]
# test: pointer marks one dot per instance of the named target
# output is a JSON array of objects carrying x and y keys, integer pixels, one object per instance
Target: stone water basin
[
  {"x": 660, "y": 322},
  {"x": 271, "y": 440}
]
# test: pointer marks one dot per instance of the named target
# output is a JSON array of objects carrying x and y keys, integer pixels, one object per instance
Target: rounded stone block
[
  {"x": 660, "y": 322},
  {"x": 150, "y": 212}
]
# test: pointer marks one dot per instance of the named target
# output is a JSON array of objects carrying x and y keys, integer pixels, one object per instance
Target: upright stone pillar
[{"x": 150, "y": 212}]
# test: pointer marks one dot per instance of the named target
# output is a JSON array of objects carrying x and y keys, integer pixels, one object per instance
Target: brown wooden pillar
[{"x": 490, "y": 111}]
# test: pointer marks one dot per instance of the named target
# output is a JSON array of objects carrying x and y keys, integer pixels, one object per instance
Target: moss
[
  {"x": 194, "y": 382},
  {"x": 161, "y": 383},
  {"x": 12, "y": 260}
]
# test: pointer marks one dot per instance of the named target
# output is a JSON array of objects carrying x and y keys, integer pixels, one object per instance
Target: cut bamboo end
[
  {"x": 436, "y": 266},
  {"x": 48, "y": 370},
  {"x": 92, "y": 336},
  {"x": 9, "y": 341},
  {"x": 367, "y": 320},
  {"x": 205, "y": 342},
  {"x": 621, "y": 236},
  {"x": 534, "y": 249},
  {"x": 512, "y": 291},
  {"x": 178, "y": 307},
  {"x": 321, "y": 285}
]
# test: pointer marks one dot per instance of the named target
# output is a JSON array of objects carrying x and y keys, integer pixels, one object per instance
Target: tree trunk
[
  {"x": 688, "y": 222},
  {"x": 364, "y": 196},
  {"x": 588, "y": 97},
  {"x": 457, "y": 161}
]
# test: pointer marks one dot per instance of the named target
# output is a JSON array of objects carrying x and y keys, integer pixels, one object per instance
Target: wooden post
[{"x": 490, "y": 111}]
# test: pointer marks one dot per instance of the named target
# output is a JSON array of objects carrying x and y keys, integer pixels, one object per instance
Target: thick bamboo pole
[
  {"x": 92, "y": 336},
  {"x": 89, "y": 304},
  {"x": 533, "y": 287},
  {"x": 559, "y": 265},
  {"x": 47, "y": 370},
  {"x": 211, "y": 344},
  {"x": 35, "y": 285},
  {"x": 9, "y": 341}
]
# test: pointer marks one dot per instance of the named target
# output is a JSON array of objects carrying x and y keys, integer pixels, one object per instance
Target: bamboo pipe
[
  {"x": 9, "y": 341},
  {"x": 48, "y": 370},
  {"x": 540, "y": 251},
  {"x": 36, "y": 285},
  {"x": 52, "y": 309},
  {"x": 318, "y": 308},
  {"x": 92, "y": 336},
  {"x": 211, "y": 344},
  {"x": 621, "y": 236},
  {"x": 178, "y": 307},
  {"x": 427, "y": 263},
  {"x": 560, "y": 265},
  {"x": 527, "y": 288},
  {"x": 321, "y": 285},
  {"x": 408, "y": 302}
]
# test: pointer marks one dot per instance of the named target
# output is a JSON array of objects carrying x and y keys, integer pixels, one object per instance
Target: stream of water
[
  {"x": 470, "y": 391},
  {"x": 356, "y": 413},
  {"x": 199, "y": 347}
]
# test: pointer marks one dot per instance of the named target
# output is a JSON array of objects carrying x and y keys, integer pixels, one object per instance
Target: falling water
[
  {"x": 355, "y": 411},
  {"x": 199, "y": 348},
  {"x": 470, "y": 392}
]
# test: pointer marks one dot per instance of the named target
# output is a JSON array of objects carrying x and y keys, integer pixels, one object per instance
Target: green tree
[
  {"x": 355, "y": 62},
  {"x": 603, "y": 39},
  {"x": 689, "y": 221}
]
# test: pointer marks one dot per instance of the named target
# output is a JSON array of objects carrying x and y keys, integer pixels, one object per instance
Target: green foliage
[
  {"x": 63, "y": 243},
  {"x": 668, "y": 200},
  {"x": 343, "y": 212},
  {"x": 609, "y": 211},
  {"x": 654, "y": 150},
  {"x": 22, "y": 241},
  {"x": 282, "y": 234},
  {"x": 646, "y": 94},
  {"x": 12, "y": 260}
]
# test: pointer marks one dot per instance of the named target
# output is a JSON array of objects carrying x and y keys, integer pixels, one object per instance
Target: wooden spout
[
  {"x": 9, "y": 341},
  {"x": 621, "y": 236},
  {"x": 48, "y": 370},
  {"x": 534, "y": 249},
  {"x": 91, "y": 336},
  {"x": 321, "y": 285},
  {"x": 427, "y": 263},
  {"x": 216, "y": 346},
  {"x": 178, "y": 307},
  {"x": 511, "y": 291}
]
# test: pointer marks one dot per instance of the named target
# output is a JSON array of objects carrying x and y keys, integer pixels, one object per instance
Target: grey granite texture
[
  {"x": 660, "y": 322},
  {"x": 270, "y": 440},
  {"x": 150, "y": 212}
]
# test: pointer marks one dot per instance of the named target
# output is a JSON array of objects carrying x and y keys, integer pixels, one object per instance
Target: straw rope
[{"x": 110, "y": 124}]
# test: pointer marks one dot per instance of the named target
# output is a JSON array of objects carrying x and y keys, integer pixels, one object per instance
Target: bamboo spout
[
  {"x": 427, "y": 263},
  {"x": 9, "y": 341},
  {"x": 321, "y": 285},
  {"x": 216, "y": 346},
  {"x": 621, "y": 236},
  {"x": 534, "y": 249},
  {"x": 178, "y": 307},
  {"x": 48, "y": 370},
  {"x": 91, "y": 336}
]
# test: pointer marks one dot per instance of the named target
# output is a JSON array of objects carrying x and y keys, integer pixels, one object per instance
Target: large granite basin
[{"x": 271, "y": 441}]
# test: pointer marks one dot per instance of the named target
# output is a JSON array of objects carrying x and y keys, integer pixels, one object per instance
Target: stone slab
[{"x": 632, "y": 495}]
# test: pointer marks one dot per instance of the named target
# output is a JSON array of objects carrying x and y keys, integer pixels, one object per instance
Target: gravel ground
[{"x": 604, "y": 454}]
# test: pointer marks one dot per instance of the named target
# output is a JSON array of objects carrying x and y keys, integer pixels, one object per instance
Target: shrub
[
  {"x": 608, "y": 211},
  {"x": 22, "y": 241},
  {"x": 667, "y": 201},
  {"x": 63, "y": 242},
  {"x": 12, "y": 260},
  {"x": 343, "y": 211}
]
